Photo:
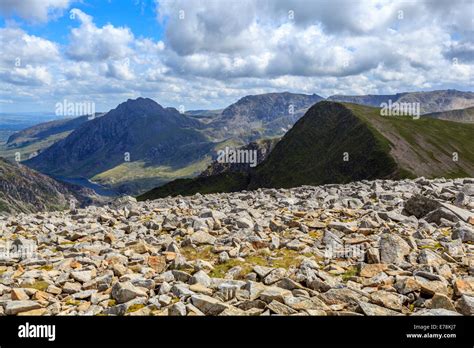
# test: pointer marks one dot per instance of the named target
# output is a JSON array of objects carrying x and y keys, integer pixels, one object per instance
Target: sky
[{"x": 207, "y": 54}]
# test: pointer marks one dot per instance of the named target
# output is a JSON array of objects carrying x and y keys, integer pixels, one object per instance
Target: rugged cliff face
[{"x": 258, "y": 116}]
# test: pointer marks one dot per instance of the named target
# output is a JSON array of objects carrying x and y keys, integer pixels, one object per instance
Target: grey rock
[
  {"x": 201, "y": 237},
  {"x": 208, "y": 305},
  {"x": 200, "y": 277},
  {"x": 393, "y": 248},
  {"x": 434, "y": 312},
  {"x": 463, "y": 232},
  {"x": 15, "y": 307},
  {"x": 124, "y": 292},
  {"x": 465, "y": 305},
  {"x": 177, "y": 309}
]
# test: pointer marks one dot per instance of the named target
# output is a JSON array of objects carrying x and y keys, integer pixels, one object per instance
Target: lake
[{"x": 84, "y": 182}]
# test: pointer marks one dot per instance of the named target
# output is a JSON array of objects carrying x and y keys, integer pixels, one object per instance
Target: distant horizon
[{"x": 52, "y": 113}]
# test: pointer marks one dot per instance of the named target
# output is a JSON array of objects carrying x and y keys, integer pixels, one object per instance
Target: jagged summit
[{"x": 138, "y": 106}]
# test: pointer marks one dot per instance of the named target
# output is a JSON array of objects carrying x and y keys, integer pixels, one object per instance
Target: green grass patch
[
  {"x": 135, "y": 307},
  {"x": 350, "y": 272},
  {"x": 38, "y": 285}
]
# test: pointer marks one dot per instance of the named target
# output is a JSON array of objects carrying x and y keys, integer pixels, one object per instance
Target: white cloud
[
  {"x": 19, "y": 48},
  {"x": 26, "y": 59},
  {"x": 28, "y": 76},
  {"x": 119, "y": 70},
  {"x": 90, "y": 43},
  {"x": 304, "y": 38},
  {"x": 34, "y": 10},
  {"x": 221, "y": 51}
]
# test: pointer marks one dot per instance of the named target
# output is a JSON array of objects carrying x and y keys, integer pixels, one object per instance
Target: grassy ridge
[
  {"x": 327, "y": 145},
  {"x": 428, "y": 144},
  {"x": 459, "y": 115}
]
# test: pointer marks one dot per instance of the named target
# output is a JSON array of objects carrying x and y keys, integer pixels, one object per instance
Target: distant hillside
[
  {"x": 32, "y": 140},
  {"x": 163, "y": 144},
  {"x": 141, "y": 145},
  {"x": 433, "y": 101},
  {"x": 132, "y": 148},
  {"x": 25, "y": 190},
  {"x": 313, "y": 152},
  {"x": 44, "y": 130},
  {"x": 258, "y": 116},
  {"x": 137, "y": 130},
  {"x": 204, "y": 116},
  {"x": 461, "y": 115}
]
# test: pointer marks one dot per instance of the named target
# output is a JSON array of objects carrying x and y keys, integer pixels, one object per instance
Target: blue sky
[
  {"x": 138, "y": 15},
  {"x": 204, "y": 54}
]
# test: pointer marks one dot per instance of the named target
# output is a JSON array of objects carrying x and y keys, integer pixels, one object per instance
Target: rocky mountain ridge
[{"x": 431, "y": 101}]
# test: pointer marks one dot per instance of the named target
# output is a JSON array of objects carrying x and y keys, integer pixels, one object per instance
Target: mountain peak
[{"x": 142, "y": 105}]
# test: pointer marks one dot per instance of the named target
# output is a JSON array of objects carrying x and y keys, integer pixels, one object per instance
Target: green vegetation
[
  {"x": 428, "y": 143},
  {"x": 72, "y": 302},
  {"x": 282, "y": 258},
  {"x": 435, "y": 246},
  {"x": 30, "y": 146},
  {"x": 46, "y": 267},
  {"x": 201, "y": 253},
  {"x": 135, "y": 307},
  {"x": 350, "y": 272},
  {"x": 139, "y": 177},
  {"x": 38, "y": 285},
  {"x": 227, "y": 182}
]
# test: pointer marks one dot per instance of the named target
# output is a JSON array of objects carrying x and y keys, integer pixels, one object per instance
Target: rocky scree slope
[{"x": 366, "y": 248}]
